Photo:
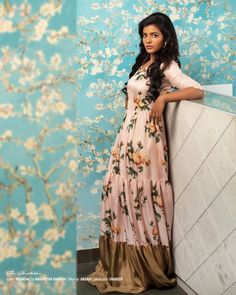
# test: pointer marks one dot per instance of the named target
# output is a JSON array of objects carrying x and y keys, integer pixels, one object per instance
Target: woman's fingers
[
  {"x": 154, "y": 117},
  {"x": 151, "y": 116},
  {"x": 156, "y": 111}
]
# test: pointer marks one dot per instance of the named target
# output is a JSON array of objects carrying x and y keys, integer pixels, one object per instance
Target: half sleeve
[{"x": 178, "y": 79}]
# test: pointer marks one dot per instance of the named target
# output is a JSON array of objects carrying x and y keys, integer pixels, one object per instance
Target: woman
[{"x": 137, "y": 201}]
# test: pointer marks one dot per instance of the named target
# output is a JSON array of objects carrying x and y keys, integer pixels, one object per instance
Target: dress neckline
[{"x": 146, "y": 67}]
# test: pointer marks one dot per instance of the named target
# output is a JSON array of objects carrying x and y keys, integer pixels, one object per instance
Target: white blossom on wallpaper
[{"x": 38, "y": 151}]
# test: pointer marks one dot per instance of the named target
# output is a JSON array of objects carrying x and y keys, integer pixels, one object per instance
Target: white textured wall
[{"x": 202, "y": 144}]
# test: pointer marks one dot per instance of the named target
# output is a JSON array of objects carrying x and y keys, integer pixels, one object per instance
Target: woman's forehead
[{"x": 151, "y": 29}]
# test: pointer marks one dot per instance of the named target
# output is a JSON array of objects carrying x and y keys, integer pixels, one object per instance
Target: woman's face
[{"x": 153, "y": 39}]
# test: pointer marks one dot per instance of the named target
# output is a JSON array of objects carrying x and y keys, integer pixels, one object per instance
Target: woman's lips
[{"x": 149, "y": 47}]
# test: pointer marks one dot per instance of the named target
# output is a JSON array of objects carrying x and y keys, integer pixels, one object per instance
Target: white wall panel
[{"x": 203, "y": 173}]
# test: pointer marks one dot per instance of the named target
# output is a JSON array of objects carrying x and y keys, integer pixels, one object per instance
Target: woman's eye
[{"x": 154, "y": 35}]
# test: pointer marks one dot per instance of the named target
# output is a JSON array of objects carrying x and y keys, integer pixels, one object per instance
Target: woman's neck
[
  {"x": 151, "y": 58},
  {"x": 149, "y": 61}
]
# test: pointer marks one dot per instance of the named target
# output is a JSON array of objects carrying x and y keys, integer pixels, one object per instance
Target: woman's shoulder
[{"x": 173, "y": 65}]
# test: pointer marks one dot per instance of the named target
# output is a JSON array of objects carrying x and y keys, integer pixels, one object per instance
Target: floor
[{"x": 83, "y": 288}]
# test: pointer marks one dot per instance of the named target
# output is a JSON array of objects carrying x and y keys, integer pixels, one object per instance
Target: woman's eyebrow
[{"x": 151, "y": 32}]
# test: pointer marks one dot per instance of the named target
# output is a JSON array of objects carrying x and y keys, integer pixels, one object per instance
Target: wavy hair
[{"x": 164, "y": 56}]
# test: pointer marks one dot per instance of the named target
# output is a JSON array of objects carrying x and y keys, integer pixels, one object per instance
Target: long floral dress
[{"x": 137, "y": 201}]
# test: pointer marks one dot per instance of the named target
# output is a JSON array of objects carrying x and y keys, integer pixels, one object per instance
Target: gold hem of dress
[{"x": 132, "y": 269}]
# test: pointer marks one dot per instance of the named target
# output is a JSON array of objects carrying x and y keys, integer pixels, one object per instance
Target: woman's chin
[{"x": 150, "y": 51}]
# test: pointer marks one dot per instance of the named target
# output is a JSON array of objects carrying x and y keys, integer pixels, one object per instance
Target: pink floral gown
[{"x": 137, "y": 200}]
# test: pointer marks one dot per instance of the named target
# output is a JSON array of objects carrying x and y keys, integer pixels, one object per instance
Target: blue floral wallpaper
[
  {"x": 107, "y": 42},
  {"x": 38, "y": 147},
  {"x": 60, "y": 108}
]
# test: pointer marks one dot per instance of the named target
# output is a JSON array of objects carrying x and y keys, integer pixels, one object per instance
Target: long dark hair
[{"x": 164, "y": 56}]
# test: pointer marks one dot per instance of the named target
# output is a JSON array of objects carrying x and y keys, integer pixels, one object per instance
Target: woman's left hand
[{"x": 157, "y": 109}]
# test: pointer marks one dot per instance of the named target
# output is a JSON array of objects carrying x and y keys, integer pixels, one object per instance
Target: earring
[{"x": 165, "y": 45}]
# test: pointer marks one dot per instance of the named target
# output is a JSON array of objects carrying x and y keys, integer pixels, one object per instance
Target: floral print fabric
[{"x": 137, "y": 201}]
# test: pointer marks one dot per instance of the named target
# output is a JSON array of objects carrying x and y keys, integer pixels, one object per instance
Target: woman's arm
[
  {"x": 186, "y": 93},
  {"x": 159, "y": 105},
  {"x": 189, "y": 89}
]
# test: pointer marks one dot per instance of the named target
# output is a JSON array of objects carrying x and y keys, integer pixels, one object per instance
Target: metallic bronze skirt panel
[{"x": 132, "y": 269}]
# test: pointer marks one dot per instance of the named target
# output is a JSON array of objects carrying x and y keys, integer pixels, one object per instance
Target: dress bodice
[{"x": 137, "y": 86}]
